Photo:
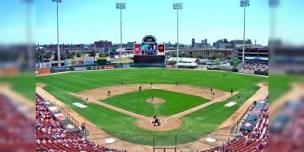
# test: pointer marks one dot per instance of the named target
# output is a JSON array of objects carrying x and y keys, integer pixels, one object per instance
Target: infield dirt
[{"x": 97, "y": 135}]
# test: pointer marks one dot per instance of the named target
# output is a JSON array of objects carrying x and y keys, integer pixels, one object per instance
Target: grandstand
[
  {"x": 287, "y": 128},
  {"x": 51, "y": 135},
  {"x": 254, "y": 132},
  {"x": 253, "y": 68},
  {"x": 16, "y": 130}
]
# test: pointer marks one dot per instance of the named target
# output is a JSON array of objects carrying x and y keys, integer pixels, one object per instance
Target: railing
[
  {"x": 69, "y": 116},
  {"x": 235, "y": 129}
]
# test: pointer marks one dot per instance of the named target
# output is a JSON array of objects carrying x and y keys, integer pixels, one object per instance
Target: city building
[
  {"x": 239, "y": 42},
  {"x": 222, "y": 44},
  {"x": 204, "y": 44},
  {"x": 103, "y": 46},
  {"x": 192, "y": 42}
]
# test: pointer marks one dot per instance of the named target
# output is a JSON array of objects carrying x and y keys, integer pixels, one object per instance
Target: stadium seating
[
  {"x": 259, "y": 67},
  {"x": 287, "y": 128},
  {"x": 255, "y": 141},
  {"x": 51, "y": 136},
  {"x": 16, "y": 130}
]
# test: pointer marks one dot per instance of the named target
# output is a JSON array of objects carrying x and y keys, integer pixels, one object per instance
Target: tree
[
  {"x": 92, "y": 53},
  {"x": 235, "y": 61},
  {"x": 70, "y": 54},
  {"x": 102, "y": 55},
  {"x": 78, "y": 55},
  {"x": 47, "y": 55},
  {"x": 101, "y": 61},
  {"x": 213, "y": 57}
]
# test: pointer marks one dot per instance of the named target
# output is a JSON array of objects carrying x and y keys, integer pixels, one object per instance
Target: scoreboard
[
  {"x": 149, "y": 47},
  {"x": 148, "y": 51}
]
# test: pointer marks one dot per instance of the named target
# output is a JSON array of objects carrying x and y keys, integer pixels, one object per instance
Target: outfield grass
[
  {"x": 279, "y": 84},
  {"x": 23, "y": 84},
  {"x": 194, "y": 125},
  {"x": 79, "y": 81},
  {"x": 174, "y": 102}
]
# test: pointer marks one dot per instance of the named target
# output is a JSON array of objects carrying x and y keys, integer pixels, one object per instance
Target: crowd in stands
[
  {"x": 287, "y": 128},
  {"x": 16, "y": 130},
  {"x": 250, "y": 141},
  {"x": 51, "y": 136},
  {"x": 253, "y": 66}
]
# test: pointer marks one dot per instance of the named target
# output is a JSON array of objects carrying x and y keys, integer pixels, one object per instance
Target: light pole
[
  {"x": 177, "y": 7},
  {"x": 273, "y": 4},
  {"x": 120, "y": 6},
  {"x": 58, "y": 47},
  {"x": 28, "y": 14},
  {"x": 244, "y": 4}
]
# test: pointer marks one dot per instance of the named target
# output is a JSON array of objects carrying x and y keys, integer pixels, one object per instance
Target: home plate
[
  {"x": 110, "y": 140},
  {"x": 230, "y": 104},
  {"x": 79, "y": 105},
  {"x": 210, "y": 140}
]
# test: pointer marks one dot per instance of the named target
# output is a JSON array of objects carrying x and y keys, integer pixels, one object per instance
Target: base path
[
  {"x": 261, "y": 94},
  {"x": 102, "y": 93},
  {"x": 95, "y": 134},
  {"x": 168, "y": 123},
  {"x": 223, "y": 132},
  {"x": 47, "y": 96},
  {"x": 186, "y": 112},
  {"x": 129, "y": 113},
  {"x": 142, "y": 121}
]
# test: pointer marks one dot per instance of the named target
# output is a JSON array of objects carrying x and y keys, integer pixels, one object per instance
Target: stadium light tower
[
  {"x": 58, "y": 47},
  {"x": 273, "y": 4},
  {"x": 244, "y": 4},
  {"x": 29, "y": 33},
  {"x": 120, "y": 6},
  {"x": 177, "y": 7}
]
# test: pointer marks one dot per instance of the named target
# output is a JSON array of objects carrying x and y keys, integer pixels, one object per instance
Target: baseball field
[
  {"x": 279, "y": 84},
  {"x": 23, "y": 84},
  {"x": 125, "y": 111}
]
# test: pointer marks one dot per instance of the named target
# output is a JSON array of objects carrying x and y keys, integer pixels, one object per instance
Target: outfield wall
[{"x": 43, "y": 71}]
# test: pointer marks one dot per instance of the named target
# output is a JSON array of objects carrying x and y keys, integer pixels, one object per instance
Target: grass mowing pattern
[
  {"x": 79, "y": 81},
  {"x": 194, "y": 125},
  {"x": 175, "y": 102}
]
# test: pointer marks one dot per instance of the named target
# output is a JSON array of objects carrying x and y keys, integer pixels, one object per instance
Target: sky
[{"x": 86, "y": 21}]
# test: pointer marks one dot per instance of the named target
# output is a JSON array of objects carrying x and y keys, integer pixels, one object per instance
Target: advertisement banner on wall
[
  {"x": 137, "y": 49},
  {"x": 161, "y": 49}
]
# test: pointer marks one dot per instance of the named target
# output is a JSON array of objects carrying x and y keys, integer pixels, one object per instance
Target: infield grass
[{"x": 174, "y": 102}]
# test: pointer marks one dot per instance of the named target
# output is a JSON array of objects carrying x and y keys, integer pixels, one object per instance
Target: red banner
[
  {"x": 161, "y": 49},
  {"x": 137, "y": 50}
]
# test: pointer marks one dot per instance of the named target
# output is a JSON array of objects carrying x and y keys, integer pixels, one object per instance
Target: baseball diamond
[{"x": 189, "y": 115}]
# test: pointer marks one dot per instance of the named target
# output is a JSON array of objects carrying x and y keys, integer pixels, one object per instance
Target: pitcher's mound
[
  {"x": 166, "y": 124},
  {"x": 155, "y": 100}
]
